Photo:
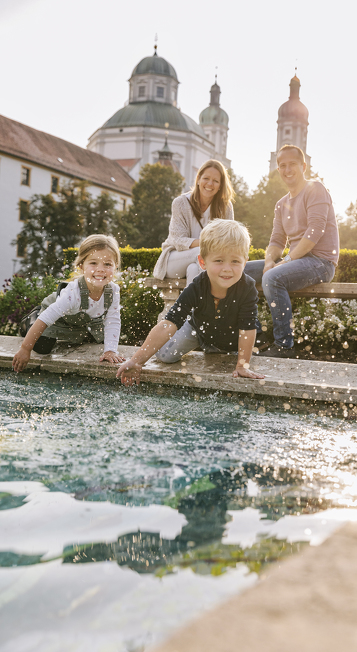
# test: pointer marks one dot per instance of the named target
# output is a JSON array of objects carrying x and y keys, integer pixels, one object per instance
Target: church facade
[
  {"x": 293, "y": 121},
  {"x": 151, "y": 120}
]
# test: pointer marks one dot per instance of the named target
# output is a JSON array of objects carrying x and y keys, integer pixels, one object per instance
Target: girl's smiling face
[{"x": 98, "y": 269}]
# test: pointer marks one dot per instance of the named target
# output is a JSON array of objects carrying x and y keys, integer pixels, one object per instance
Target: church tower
[
  {"x": 214, "y": 122},
  {"x": 293, "y": 120}
]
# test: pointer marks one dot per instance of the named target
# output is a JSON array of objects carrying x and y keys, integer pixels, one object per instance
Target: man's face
[{"x": 291, "y": 168}]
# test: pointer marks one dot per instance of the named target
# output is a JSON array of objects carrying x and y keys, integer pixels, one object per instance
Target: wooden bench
[{"x": 172, "y": 287}]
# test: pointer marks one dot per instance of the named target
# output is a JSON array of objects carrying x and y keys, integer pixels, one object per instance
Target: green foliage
[
  {"x": 256, "y": 254},
  {"x": 329, "y": 325},
  {"x": 216, "y": 558},
  {"x": 150, "y": 212},
  {"x": 145, "y": 258},
  {"x": 141, "y": 307},
  {"x": 19, "y": 297},
  {"x": 197, "y": 487},
  {"x": 52, "y": 226},
  {"x": 346, "y": 271}
]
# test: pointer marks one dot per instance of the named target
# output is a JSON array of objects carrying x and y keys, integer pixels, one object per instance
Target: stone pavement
[
  {"x": 308, "y": 603},
  {"x": 327, "y": 382}
]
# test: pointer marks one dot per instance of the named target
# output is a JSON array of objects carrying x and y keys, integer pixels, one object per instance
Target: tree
[
  {"x": 348, "y": 227},
  {"x": 51, "y": 226},
  {"x": 260, "y": 213},
  {"x": 150, "y": 211}
]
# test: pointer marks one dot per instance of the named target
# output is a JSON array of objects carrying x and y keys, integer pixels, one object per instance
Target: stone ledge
[{"x": 330, "y": 382}]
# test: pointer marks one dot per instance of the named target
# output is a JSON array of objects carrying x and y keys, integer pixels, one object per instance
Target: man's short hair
[
  {"x": 285, "y": 148},
  {"x": 220, "y": 235}
]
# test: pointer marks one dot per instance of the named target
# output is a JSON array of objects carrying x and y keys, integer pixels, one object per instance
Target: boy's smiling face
[{"x": 224, "y": 269}]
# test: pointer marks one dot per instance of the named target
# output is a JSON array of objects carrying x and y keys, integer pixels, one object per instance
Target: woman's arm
[
  {"x": 23, "y": 355},
  {"x": 180, "y": 228}
]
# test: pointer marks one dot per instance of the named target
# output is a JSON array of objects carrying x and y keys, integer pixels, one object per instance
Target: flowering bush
[
  {"x": 141, "y": 306},
  {"x": 19, "y": 296},
  {"x": 319, "y": 323}
]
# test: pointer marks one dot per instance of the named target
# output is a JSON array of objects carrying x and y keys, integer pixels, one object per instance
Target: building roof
[
  {"x": 155, "y": 65},
  {"x": 294, "y": 108},
  {"x": 48, "y": 151},
  {"x": 154, "y": 114},
  {"x": 214, "y": 115}
]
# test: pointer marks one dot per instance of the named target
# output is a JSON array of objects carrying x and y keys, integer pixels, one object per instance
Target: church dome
[
  {"x": 213, "y": 115},
  {"x": 294, "y": 108},
  {"x": 155, "y": 65},
  {"x": 154, "y": 114}
]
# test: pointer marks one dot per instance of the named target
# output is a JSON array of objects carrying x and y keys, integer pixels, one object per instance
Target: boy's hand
[
  {"x": 21, "y": 359},
  {"x": 111, "y": 356},
  {"x": 129, "y": 373},
  {"x": 243, "y": 372}
]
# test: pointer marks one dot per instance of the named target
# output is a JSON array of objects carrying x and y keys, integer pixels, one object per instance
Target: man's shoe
[{"x": 275, "y": 351}]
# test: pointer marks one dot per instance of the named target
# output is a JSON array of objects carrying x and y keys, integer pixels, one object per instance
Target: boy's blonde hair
[
  {"x": 220, "y": 235},
  {"x": 97, "y": 242}
]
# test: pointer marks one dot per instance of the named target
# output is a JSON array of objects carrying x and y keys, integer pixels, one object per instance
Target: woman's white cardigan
[{"x": 180, "y": 231}]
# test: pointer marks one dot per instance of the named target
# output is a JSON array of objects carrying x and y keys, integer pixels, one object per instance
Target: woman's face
[{"x": 209, "y": 184}]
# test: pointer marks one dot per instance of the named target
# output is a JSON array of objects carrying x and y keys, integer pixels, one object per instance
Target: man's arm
[
  {"x": 272, "y": 254},
  {"x": 305, "y": 245},
  {"x": 130, "y": 371},
  {"x": 246, "y": 341}
]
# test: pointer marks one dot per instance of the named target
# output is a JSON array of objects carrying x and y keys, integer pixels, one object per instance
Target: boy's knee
[{"x": 168, "y": 357}]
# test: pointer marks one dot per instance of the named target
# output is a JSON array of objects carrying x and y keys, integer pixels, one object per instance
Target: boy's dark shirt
[{"x": 237, "y": 311}]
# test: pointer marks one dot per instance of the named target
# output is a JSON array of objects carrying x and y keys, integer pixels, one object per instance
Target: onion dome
[
  {"x": 294, "y": 108},
  {"x": 213, "y": 114}
]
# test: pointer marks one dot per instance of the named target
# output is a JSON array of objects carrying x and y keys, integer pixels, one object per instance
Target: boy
[{"x": 217, "y": 311}]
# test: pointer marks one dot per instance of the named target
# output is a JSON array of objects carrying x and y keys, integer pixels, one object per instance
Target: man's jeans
[{"x": 279, "y": 281}]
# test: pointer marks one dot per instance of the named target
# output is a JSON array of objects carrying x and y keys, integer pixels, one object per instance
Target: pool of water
[{"x": 126, "y": 512}]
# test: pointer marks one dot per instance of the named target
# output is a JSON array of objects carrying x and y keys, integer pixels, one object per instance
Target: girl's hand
[
  {"x": 246, "y": 373},
  {"x": 21, "y": 359},
  {"x": 129, "y": 373},
  {"x": 111, "y": 356}
]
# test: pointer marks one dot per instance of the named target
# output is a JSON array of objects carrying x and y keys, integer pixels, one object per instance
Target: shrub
[
  {"x": 19, "y": 297},
  {"x": 346, "y": 271},
  {"x": 319, "y": 324},
  {"x": 141, "y": 306},
  {"x": 145, "y": 258}
]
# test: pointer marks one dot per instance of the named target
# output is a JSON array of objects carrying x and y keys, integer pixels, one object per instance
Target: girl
[
  {"x": 89, "y": 305},
  {"x": 210, "y": 198}
]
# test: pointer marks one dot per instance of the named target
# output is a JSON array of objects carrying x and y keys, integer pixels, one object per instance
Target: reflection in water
[{"x": 152, "y": 502}]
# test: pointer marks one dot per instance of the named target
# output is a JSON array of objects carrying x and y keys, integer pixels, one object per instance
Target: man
[{"x": 305, "y": 217}]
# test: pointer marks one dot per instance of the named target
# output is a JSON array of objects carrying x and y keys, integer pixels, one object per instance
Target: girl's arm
[
  {"x": 246, "y": 341},
  {"x": 112, "y": 330},
  {"x": 130, "y": 371},
  {"x": 22, "y": 357}
]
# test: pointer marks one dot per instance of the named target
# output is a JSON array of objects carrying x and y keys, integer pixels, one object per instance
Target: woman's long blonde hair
[
  {"x": 96, "y": 242},
  {"x": 222, "y": 197}
]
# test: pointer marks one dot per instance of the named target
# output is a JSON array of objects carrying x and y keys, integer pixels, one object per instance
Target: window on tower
[
  {"x": 287, "y": 132},
  {"x": 141, "y": 91},
  {"x": 160, "y": 91}
]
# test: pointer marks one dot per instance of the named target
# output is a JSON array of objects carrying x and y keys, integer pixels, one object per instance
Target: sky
[{"x": 65, "y": 65}]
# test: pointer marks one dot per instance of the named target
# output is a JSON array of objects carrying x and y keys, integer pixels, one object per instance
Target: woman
[{"x": 210, "y": 198}]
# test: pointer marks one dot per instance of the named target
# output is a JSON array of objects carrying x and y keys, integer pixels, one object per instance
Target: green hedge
[
  {"x": 346, "y": 271},
  {"x": 130, "y": 257}
]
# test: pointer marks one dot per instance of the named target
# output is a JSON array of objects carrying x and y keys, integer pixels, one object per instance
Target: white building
[
  {"x": 293, "y": 121},
  {"x": 136, "y": 133},
  {"x": 33, "y": 162}
]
